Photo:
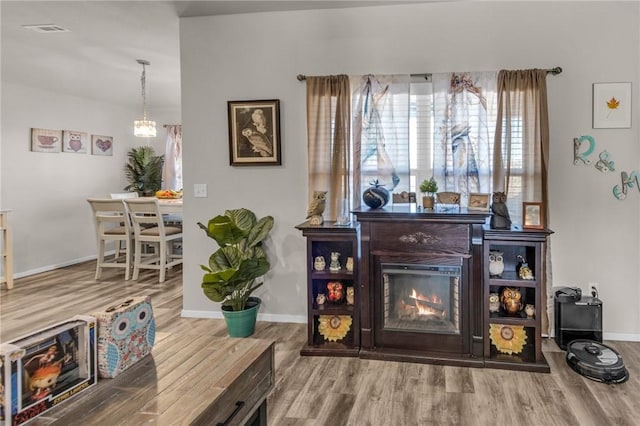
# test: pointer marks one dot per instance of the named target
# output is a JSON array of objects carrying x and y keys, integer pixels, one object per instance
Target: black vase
[{"x": 375, "y": 196}]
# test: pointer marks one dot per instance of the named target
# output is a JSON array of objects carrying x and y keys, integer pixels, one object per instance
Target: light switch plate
[{"x": 200, "y": 190}]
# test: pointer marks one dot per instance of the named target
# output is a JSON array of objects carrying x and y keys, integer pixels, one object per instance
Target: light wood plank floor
[{"x": 340, "y": 391}]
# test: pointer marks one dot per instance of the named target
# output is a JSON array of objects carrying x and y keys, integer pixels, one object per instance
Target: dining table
[{"x": 170, "y": 205}]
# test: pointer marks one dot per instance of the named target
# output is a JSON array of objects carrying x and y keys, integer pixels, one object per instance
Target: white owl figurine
[
  {"x": 351, "y": 296},
  {"x": 494, "y": 302},
  {"x": 316, "y": 207},
  {"x": 496, "y": 263}
]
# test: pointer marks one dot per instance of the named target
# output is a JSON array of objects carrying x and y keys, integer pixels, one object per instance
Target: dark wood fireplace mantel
[{"x": 407, "y": 235}]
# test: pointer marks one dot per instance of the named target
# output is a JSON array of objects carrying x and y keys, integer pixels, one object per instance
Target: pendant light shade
[{"x": 144, "y": 128}]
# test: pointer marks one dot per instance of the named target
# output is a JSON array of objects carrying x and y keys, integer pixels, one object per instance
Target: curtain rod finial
[
  {"x": 556, "y": 70},
  {"x": 301, "y": 77}
]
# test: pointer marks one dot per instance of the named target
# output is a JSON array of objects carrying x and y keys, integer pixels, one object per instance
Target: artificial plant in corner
[
  {"x": 230, "y": 277},
  {"x": 143, "y": 170}
]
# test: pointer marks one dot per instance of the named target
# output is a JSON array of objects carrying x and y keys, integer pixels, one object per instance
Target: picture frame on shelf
[
  {"x": 532, "y": 215},
  {"x": 612, "y": 105},
  {"x": 46, "y": 140},
  {"x": 479, "y": 202},
  {"x": 254, "y": 133}
]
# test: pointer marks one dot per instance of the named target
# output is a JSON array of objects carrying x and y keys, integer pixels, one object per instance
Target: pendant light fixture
[{"x": 144, "y": 128}]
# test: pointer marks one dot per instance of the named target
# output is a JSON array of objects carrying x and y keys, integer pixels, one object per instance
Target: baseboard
[
  {"x": 299, "y": 319},
  {"x": 52, "y": 267},
  {"x": 623, "y": 337}
]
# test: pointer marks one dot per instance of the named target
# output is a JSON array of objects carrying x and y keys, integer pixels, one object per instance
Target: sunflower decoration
[
  {"x": 508, "y": 339},
  {"x": 334, "y": 327}
]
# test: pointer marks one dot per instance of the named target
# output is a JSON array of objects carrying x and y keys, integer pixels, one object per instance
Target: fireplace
[
  {"x": 422, "y": 298},
  {"x": 421, "y": 281}
]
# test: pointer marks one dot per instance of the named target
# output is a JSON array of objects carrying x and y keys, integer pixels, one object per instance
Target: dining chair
[
  {"x": 121, "y": 196},
  {"x": 112, "y": 224},
  {"x": 149, "y": 228}
]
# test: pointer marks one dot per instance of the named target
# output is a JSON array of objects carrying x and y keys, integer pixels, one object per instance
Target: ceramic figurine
[
  {"x": 511, "y": 300},
  {"x": 530, "y": 310},
  {"x": 494, "y": 302},
  {"x": 321, "y": 298},
  {"x": 335, "y": 263},
  {"x": 350, "y": 296},
  {"x": 335, "y": 291},
  {"x": 496, "y": 263},
  {"x": 500, "y": 218},
  {"x": 316, "y": 207},
  {"x": 349, "y": 264},
  {"x": 524, "y": 272},
  {"x": 319, "y": 263}
]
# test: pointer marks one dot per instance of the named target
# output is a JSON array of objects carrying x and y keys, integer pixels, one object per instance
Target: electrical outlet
[{"x": 593, "y": 289}]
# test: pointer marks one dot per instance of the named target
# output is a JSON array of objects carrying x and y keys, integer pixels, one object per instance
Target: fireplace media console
[{"x": 420, "y": 289}]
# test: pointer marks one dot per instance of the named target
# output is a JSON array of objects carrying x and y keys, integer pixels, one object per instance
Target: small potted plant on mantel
[
  {"x": 428, "y": 187},
  {"x": 230, "y": 277}
]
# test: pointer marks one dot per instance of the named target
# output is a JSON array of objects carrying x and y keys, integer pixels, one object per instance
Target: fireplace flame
[{"x": 427, "y": 305}]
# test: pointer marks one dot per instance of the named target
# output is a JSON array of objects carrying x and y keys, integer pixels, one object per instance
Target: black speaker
[{"x": 577, "y": 319}]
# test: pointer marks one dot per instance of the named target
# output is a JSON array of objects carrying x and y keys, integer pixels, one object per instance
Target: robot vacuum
[{"x": 596, "y": 361}]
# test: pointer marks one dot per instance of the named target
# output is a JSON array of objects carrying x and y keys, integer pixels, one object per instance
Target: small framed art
[
  {"x": 532, "y": 216},
  {"x": 46, "y": 140},
  {"x": 74, "y": 142},
  {"x": 101, "y": 145},
  {"x": 254, "y": 133},
  {"x": 479, "y": 202},
  {"x": 611, "y": 105}
]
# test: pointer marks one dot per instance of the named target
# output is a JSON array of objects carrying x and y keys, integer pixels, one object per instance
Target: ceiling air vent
[{"x": 47, "y": 28}]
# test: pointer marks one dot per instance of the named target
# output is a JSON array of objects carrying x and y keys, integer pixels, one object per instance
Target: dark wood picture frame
[
  {"x": 254, "y": 133},
  {"x": 532, "y": 215}
]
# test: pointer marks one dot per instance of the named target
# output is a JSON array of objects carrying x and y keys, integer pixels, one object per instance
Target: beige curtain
[
  {"x": 523, "y": 124},
  {"x": 328, "y": 136}
]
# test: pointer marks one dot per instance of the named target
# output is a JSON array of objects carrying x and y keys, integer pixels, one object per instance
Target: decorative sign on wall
[
  {"x": 584, "y": 146},
  {"x": 101, "y": 145},
  {"x": 611, "y": 105},
  {"x": 628, "y": 180},
  {"x": 46, "y": 140},
  {"x": 74, "y": 142}
]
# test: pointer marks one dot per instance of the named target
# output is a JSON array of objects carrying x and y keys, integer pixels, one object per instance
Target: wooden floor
[{"x": 340, "y": 391}]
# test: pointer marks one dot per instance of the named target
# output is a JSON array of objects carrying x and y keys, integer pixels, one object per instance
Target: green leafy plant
[
  {"x": 143, "y": 170},
  {"x": 429, "y": 186},
  {"x": 230, "y": 277}
]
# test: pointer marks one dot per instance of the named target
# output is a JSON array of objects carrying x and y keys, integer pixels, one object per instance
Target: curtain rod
[{"x": 554, "y": 71}]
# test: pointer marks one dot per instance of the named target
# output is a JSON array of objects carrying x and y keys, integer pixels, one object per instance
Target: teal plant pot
[{"x": 242, "y": 323}]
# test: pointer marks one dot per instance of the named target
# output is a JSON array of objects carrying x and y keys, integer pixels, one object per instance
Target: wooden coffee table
[{"x": 187, "y": 380}]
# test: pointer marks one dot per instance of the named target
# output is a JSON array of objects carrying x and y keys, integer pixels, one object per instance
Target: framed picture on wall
[
  {"x": 532, "y": 216},
  {"x": 101, "y": 145},
  {"x": 611, "y": 105},
  {"x": 75, "y": 142},
  {"x": 254, "y": 133},
  {"x": 46, "y": 140}
]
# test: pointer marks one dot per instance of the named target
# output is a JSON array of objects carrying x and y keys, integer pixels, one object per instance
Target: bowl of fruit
[{"x": 168, "y": 194}]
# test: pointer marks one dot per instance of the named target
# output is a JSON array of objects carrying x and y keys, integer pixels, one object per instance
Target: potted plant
[
  {"x": 143, "y": 171},
  {"x": 429, "y": 187},
  {"x": 230, "y": 277}
]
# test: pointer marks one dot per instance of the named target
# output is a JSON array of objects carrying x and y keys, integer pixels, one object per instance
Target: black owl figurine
[{"x": 500, "y": 218}]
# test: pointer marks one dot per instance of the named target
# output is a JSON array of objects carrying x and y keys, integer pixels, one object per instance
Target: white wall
[
  {"x": 51, "y": 220},
  {"x": 257, "y": 56}
]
